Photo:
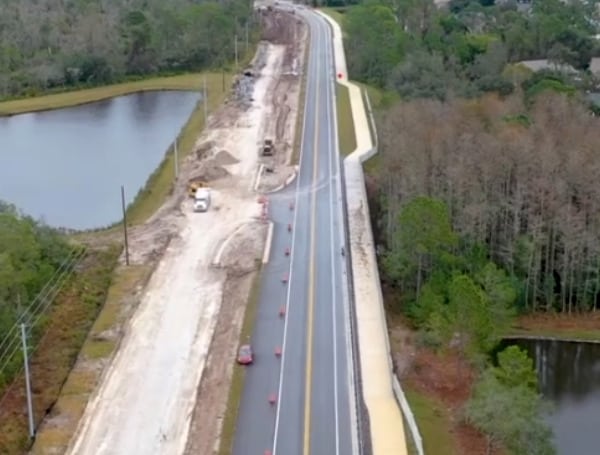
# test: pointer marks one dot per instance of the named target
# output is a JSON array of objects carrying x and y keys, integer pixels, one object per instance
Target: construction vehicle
[
  {"x": 193, "y": 186},
  {"x": 201, "y": 200},
  {"x": 268, "y": 149}
]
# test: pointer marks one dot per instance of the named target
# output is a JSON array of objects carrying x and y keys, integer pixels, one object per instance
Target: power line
[
  {"x": 15, "y": 328},
  {"x": 31, "y": 316}
]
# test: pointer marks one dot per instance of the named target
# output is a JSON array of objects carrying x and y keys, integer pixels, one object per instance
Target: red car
[{"x": 245, "y": 356}]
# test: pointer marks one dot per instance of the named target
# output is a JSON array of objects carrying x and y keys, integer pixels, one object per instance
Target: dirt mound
[
  {"x": 210, "y": 171},
  {"x": 203, "y": 148},
  {"x": 244, "y": 251},
  {"x": 223, "y": 158},
  {"x": 278, "y": 27}
]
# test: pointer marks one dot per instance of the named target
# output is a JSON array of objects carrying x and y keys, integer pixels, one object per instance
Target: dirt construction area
[{"x": 165, "y": 391}]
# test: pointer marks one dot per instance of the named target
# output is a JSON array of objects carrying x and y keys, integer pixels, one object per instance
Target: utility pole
[
  {"x": 236, "y": 51},
  {"x": 205, "y": 101},
  {"x": 27, "y": 382},
  {"x": 125, "y": 225},
  {"x": 175, "y": 152},
  {"x": 247, "y": 37}
]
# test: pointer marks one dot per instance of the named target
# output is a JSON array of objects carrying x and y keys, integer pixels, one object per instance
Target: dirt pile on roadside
[
  {"x": 223, "y": 158},
  {"x": 277, "y": 26},
  {"x": 243, "y": 251}
]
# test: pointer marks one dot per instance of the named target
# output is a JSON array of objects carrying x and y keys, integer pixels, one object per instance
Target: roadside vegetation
[
  {"x": 51, "y": 45},
  {"x": 483, "y": 199},
  {"x": 56, "y": 289},
  {"x": 31, "y": 256}
]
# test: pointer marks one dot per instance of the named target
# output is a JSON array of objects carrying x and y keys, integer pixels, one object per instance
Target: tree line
[
  {"x": 466, "y": 48},
  {"x": 56, "y": 44}
]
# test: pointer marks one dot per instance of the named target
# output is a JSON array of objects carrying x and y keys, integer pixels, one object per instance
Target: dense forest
[
  {"x": 503, "y": 155},
  {"x": 521, "y": 186},
  {"x": 422, "y": 51},
  {"x": 55, "y": 44}
]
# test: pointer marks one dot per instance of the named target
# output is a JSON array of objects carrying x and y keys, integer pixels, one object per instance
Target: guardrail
[{"x": 362, "y": 413}]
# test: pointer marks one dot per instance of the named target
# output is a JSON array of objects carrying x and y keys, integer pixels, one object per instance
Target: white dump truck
[{"x": 202, "y": 200}]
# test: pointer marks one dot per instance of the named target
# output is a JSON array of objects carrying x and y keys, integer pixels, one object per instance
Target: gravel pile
[{"x": 243, "y": 85}]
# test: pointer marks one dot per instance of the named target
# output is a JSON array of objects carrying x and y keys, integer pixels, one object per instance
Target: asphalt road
[{"x": 312, "y": 380}]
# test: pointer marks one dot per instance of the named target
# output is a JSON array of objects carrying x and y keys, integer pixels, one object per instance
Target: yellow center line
[{"x": 311, "y": 277}]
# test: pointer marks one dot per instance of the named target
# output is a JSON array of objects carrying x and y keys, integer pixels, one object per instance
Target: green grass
[
  {"x": 335, "y": 14},
  {"x": 99, "y": 349},
  {"x": 301, "y": 105},
  {"x": 434, "y": 424},
  {"x": 236, "y": 388},
  {"x": 380, "y": 99},
  {"x": 346, "y": 134},
  {"x": 77, "y": 97}
]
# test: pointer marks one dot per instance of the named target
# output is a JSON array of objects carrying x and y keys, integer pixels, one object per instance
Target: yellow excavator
[{"x": 193, "y": 186}]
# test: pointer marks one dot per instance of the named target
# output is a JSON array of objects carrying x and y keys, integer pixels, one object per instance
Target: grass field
[
  {"x": 77, "y": 97},
  {"x": 346, "y": 133},
  {"x": 335, "y": 14},
  {"x": 433, "y": 422}
]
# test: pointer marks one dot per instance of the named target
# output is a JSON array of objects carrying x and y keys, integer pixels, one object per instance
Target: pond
[
  {"x": 569, "y": 376},
  {"x": 67, "y": 166}
]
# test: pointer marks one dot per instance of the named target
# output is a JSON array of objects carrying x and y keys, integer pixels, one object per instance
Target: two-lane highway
[{"x": 313, "y": 380}]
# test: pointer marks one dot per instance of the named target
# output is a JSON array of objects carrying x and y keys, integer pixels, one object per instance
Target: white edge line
[
  {"x": 267, "y": 250},
  {"x": 350, "y": 358},
  {"x": 330, "y": 99},
  {"x": 258, "y": 177},
  {"x": 287, "y": 303}
]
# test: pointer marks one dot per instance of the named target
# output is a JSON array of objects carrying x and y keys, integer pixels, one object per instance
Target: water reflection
[
  {"x": 569, "y": 376},
  {"x": 66, "y": 166}
]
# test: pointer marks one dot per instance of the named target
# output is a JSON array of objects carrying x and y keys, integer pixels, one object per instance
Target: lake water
[
  {"x": 67, "y": 166},
  {"x": 569, "y": 376}
]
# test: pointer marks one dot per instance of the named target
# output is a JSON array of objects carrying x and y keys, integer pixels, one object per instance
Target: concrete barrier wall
[{"x": 381, "y": 389}]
